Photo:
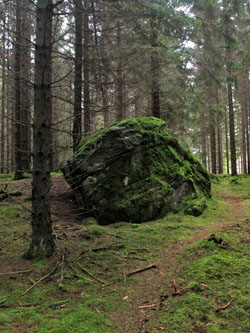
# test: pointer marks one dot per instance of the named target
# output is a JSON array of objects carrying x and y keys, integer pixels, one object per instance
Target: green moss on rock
[{"x": 136, "y": 171}]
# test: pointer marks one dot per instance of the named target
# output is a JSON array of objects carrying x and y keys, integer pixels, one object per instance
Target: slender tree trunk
[
  {"x": 9, "y": 148},
  {"x": 18, "y": 133},
  {"x": 227, "y": 144},
  {"x": 219, "y": 139},
  {"x": 86, "y": 70},
  {"x": 213, "y": 140},
  {"x": 208, "y": 155},
  {"x": 138, "y": 102},
  {"x": 243, "y": 99},
  {"x": 2, "y": 166},
  {"x": 25, "y": 77},
  {"x": 248, "y": 130},
  {"x": 243, "y": 139},
  {"x": 155, "y": 73},
  {"x": 42, "y": 244},
  {"x": 203, "y": 147},
  {"x": 120, "y": 102},
  {"x": 230, "y": 89},
  {"x": 77, "y": 123}
]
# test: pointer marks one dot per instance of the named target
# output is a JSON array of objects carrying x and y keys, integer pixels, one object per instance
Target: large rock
[{"x": 135, "y": 171}]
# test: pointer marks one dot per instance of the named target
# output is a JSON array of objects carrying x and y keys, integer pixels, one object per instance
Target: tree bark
[
  {"x": 18, "y": 133},
  {"x": 77, "y": 122},
  {"x": 227, "y": 143},
  {"x": 86, "y": 70},
  {"x": 119, "y": 83},
  {"x": 42, "y": 244},
  {"x": 219, "y": 139},
  {"x": 230, "y": 89},
  {"x": 25, "y": 77},
  {"x": 2, "y": 166},
  {"x": 155, "y": 73}
]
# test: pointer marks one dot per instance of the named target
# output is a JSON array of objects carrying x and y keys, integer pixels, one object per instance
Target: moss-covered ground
[{"x": 85, "y": 287}]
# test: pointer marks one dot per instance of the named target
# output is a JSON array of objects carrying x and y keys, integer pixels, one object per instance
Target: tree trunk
[
  {"x": 86, "y": 71},
  {"x": 243, "y": 99},
  {"x": 25, "y": 77},
  {"x": 2, "y": 166},
  {"x": 227, "y": 145},
  {"x": 155, "y": 74},
  {"x": 204, "y": 146},
  {"x": 77, "y": 122},
  {"x": 213, "y": 141},
  {"x": 219, "y": 139},
  {"x": 248, "y": 127},
  {"x": 18, "y": 133},
  {"x": 42, "y": 244},
  {"x": 119, "y": 83},
  {"x": 228, "y": 38}
]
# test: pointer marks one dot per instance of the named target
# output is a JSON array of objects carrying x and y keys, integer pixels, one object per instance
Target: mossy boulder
[{"x": 136, "y": 171}]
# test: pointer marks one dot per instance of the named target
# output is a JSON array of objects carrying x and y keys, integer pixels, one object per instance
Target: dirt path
[{"x": 158, "y": 282}]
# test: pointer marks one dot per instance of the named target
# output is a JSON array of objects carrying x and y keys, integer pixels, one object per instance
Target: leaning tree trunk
[{"x": 42, "y": 244}]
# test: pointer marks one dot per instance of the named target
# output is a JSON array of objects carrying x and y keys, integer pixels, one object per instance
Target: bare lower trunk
[
  {"x": 86, "y": 71},
  {"x": 2, "y": 166},
  {"x": 77, "y": 122},
  {"x": 18, "y": 134},
  {"x": 42, "y": 244},
  {"x": 227, "y": 148},
  {"x": 155, "y": 74},
  {"x": 25, "y": 77},
  {"x": 219, "y": 139},
  {"x": 119, "y": 83}
]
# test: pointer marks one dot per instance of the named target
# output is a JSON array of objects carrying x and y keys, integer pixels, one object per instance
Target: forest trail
[{"x": 157, "y": 285}]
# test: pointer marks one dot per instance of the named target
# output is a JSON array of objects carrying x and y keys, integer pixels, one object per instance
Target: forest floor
[{"x": 195, "y": 271}]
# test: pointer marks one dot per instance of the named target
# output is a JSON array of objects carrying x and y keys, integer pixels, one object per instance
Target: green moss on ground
[{"x": 73, "y": 300}]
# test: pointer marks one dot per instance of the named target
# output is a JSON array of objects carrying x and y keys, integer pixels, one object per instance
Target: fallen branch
[
  {"x": 142, "y": 269},
  {"x": 90, "y": 274},
  {"x": 17, "y": 272},
  {"x": 40, "y": 280},
  {"x": 151, "y": 306},
  {"x": 224, "y": 307},
  {"x": 4, "y": 195},
  {"x": 176, "y": 291},
  {"x": 111, "y": 247},
  {"x": 78, "y": 275}
]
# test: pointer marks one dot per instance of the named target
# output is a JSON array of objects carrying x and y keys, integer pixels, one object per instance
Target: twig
[
  {"x": 90, "y": 274},
  {"x": 151, "y": 306},
  {"x": 224, "y": 307},
  {"x": 40, "y": 280},
  {"x": 142, "y": 269},
  {"x": 17, "y": 272},
  {"x": 176, "y": 291}
]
